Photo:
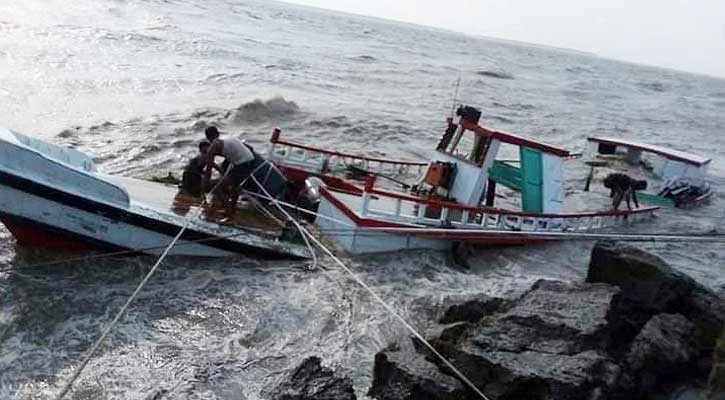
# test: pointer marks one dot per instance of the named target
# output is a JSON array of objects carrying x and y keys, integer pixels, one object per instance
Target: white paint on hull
[
  {"x": 357, "y": 240},
  {"x": 90, "y": 225}
]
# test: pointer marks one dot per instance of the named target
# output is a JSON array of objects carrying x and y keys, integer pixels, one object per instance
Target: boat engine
[{"x": 308, "y": 198}]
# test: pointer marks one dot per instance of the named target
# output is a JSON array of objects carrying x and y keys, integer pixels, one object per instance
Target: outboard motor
[{"x": 308, "y": 197}]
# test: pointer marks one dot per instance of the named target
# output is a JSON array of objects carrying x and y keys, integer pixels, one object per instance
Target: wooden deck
[{"x": 168, "y": 200}]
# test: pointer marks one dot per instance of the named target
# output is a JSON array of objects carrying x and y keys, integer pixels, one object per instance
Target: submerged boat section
[{"x": 52, "y": 196}]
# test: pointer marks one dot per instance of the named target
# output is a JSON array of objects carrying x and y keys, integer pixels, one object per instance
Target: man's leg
[
  {"x": 237, "y": 176},
  {"x": 618, "y": 195},
  {"x": 628, "y": 197}
]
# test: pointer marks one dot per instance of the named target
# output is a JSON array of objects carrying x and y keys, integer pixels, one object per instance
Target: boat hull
[
  {"x": 357, "y": 235},
  {"x": 44, "y": 217}
]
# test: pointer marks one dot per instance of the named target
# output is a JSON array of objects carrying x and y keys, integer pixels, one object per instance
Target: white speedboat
[{"x": 54, "y": 197}]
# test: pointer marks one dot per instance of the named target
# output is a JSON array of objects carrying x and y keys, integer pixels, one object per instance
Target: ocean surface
[{"x": 133, "y": 83}]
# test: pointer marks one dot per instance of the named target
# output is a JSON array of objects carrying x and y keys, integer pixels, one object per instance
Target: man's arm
[{"x": 214, "y": 150}]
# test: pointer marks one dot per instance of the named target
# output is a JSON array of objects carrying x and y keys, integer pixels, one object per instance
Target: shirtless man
[
  {"x": 623, "y": 188},
  {"x": 238, "y": 164}
]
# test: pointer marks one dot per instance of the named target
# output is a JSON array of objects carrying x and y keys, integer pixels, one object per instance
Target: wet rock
[
  {"x": 663, "y": 349},
  {"x": 473, "y": 310},
  {"x": 401, "y": 373},
  {"x": 311, "y": 381},
  {"x": 664, "y": 343},
  {"x": 645, "y": 279},
  {"x": 546, "y": 346},
  {"x": 650, "y": 286},
  {"x": 707, "y": 311},
  {"x": 716, "y": 382},
  {"x": 636, "y": 325}
]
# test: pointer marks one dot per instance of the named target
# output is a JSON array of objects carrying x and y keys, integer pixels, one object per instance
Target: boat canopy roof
[
  {"x": 671, "y": 154},
  {"x": 515, "y": 139}
]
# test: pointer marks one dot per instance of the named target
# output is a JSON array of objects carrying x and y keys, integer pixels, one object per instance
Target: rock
[
  {"x": 552, "y": 317},
  {"x": 634, "y": 326},
  {"x": 547, "y": 346},
  {"x": 716, "y": 383},
  {"x": 311, "y": 381},
  {"x": 707, "y": 311},
  {"x": 644, "y": 278},
  {"x": 472, "y": 310},
  {"x": 664, "y": 349},
  {"x": 650, "y": 286},
  {"x": 401, "y": 373},
  {"x": 664, "y": 343}
]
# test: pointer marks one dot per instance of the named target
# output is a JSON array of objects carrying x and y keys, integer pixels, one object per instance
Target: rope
[
  {"x": 305, "y": 233},
  {"x": 110, "y": 327},
  {"x": 130, "y": 300},
  {"x": 125, "y": 252}
]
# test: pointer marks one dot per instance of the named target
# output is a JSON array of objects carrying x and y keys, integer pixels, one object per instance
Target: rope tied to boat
[
  {"x": 66, "y": 388},
  {"x": 306, "y": 233}
]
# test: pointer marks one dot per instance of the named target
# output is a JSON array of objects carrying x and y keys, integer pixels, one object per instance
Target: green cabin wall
[{"x": 532, "y": 186}]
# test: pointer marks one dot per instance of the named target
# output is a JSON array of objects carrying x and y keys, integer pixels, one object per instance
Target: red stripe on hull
[{"x": 28, "y": 235}]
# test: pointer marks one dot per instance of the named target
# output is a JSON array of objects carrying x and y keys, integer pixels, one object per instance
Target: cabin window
[{"x": 469, "y": 146}]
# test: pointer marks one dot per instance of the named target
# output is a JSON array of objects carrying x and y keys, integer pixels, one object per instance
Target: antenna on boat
[{"x": 455, "y": 95}]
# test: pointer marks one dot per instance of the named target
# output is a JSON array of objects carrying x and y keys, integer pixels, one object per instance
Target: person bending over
[
  {"x": 623, "y": 187},
  {"x": 193, "y": 176},
  {"x": 238, "y": 164}
]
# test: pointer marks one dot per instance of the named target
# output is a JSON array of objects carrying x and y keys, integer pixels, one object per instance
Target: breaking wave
[
  {"x": 261, "y": 111},
  {"x": 494, "y": 74},
  {"x": 363, "y": 58}
]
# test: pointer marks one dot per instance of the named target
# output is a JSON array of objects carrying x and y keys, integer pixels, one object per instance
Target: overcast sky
[{"x": 681, "y": 34}]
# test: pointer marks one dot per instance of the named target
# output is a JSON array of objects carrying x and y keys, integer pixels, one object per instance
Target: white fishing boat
[
  {"x": 453, "y": 199},
  {"x": 676, "y": 178},
  {"x": 54, "y": 197}
]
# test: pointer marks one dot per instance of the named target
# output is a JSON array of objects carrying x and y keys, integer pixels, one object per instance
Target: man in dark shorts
[
  {"x": 238, "y": 165},
  {"x": 623, "y": 187}
]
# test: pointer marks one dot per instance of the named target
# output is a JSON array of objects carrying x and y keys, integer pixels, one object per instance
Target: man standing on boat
[{"x": 238, "y": 164}]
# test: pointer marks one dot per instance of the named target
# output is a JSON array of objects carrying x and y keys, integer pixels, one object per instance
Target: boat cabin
[
  {"x": 465, "y": 168},
  {"x": 664, "y": 163}
]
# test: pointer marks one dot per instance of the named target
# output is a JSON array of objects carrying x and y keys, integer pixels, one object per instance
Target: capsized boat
[
  {"x": 451, "y": 198},
  {"x": 680, "y": 178},
  {"x": 54, "y": 197}
]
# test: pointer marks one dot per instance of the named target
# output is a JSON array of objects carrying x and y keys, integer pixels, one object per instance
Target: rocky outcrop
[
  {"x": 635, "y": 325},
  {"x": 650, "y": 286},
  {"x": 663, "y": 350},
  {"x": 311, "y": 381},
  {"x": 546, "y": 346},
  {"x": 716, "y": 383},
  {"x": 473, "y": 310},
  {"x": 402, "y": 373}
]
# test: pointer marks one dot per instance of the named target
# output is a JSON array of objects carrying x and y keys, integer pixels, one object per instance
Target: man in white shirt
[{"x": 238, "y": 165}]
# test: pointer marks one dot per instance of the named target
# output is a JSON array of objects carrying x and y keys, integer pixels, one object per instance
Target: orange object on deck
[{"x": 439, "y": 175}]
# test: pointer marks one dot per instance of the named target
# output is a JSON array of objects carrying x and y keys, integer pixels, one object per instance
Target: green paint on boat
[
  {"x": 532, "y": 183},
  {"x": 506, "y": 175},
  {"x": 655, "y": 200}
]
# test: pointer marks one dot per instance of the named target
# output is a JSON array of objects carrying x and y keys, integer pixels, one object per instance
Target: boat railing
[
  {"x": 324, "y": 161},
  {"x": 406, "y": 209}
]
